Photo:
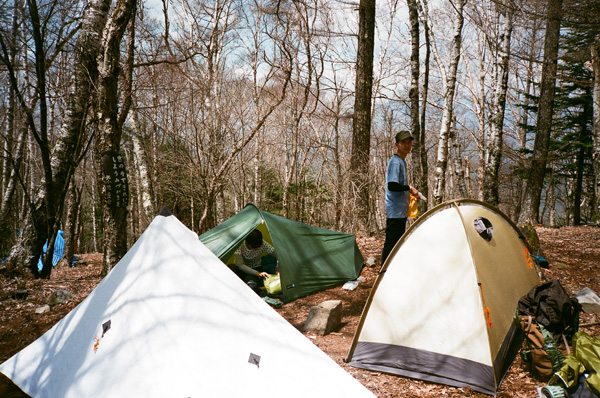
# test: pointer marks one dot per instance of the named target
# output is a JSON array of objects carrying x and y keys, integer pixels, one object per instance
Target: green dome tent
[{"x": 310, "y": 258}]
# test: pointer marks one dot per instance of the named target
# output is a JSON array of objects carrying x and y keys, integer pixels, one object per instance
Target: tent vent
[
  {"x": 484, "y": 228},
  {"x": 254, "y": 359},
  {"x": 165, "y": 212}
]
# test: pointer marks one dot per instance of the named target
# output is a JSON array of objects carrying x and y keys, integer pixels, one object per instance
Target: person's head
[
  {"x": 254, "y": 239},
  {"x": 403, "y": 143}
]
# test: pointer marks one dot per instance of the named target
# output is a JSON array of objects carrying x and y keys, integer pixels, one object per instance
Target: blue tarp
[{"x": 59, "y": 250}]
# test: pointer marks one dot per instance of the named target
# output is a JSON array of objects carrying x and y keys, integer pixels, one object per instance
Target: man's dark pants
[{"x": 394, "y": 229}]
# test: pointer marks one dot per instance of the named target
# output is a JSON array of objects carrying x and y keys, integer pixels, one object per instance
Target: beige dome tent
[
  {"x": 442, "y": 307},
  {"x": 170, "y": 320}
]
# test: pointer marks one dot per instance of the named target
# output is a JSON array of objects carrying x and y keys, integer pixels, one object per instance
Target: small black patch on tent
[
  {"x": 165, "y": 212},
  {"x": 105, "y": 327},
  {"x": 484, "y": 228},
  {"x": 254, "y": 359}
]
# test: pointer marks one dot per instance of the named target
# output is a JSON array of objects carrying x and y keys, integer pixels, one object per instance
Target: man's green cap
[{"x": 403, "y": 134}]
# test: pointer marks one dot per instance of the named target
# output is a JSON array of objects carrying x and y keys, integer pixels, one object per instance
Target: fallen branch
[{"x": 589, "y": 324}]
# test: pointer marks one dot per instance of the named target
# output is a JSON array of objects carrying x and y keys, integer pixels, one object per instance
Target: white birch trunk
[
  {"x": 494, "y": 144},
  {"x": 551, "y": 200},
  {"x": 256, "y": 182},
  {"x": 11, "y": 182},
  {"x": 481, "y": 118},
  {"x": 141, "y": 163},
  {"x": 459, "y": 172},
  {"x": 286, "y": 185},
  {"x": 446, "y": 123},
  {"x": 94, "y": 192}
]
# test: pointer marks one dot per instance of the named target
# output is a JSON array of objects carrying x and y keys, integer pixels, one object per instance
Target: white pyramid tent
[
  {"x": 443, "y": 304},
  {"x": 171, "y": 320}
]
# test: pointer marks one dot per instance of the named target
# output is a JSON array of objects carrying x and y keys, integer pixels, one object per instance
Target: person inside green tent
[{"x": 249, "y": 259}]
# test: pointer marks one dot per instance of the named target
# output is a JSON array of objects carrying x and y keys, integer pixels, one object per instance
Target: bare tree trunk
[
  {"x": 109, "y": 158},
  {"x": 482, "y": 123},
  {"x": 8, "y": 163},
  {"x": 595, "y": 50},
  {"x": 478, "y": 95},
  {"x": 524, "y": 118},
  {"x": 533, "y": 190},
  {"x": 467, "y": 177},
  {"x": 579, "y": 170},
  {"x": 41, "y": 204},
  {"x": 71, "y": 140},
  {"x": 551, "y": 205},
  {"x": 424, "y": 183},
  {"x": 46, "y": 207},
  {"x": 339, "y": 181},
  {"x": 494, "y": 147},
  {"x": 419, "y": 149},
  {"x": 140, "y": 158},
  {"x": 71, "y": 224},
  {"x": 361, "y": 134},
  {"x": 94, "y": 194},
  {"x": 256, "y": 193},
  {"x": 447, "y": 114},
  {"x": 15, "y": 163},
  {"x": 459, "y": 172}
]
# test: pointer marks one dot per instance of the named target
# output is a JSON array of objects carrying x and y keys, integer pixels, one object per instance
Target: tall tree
[
  {"x": 419, "y": 149},
  {"x": 572, "y": 138},
  {"x": 526, "y": 110},
  {"x": 109, "y": 159},
  {"x": 10, "y": 161},
  {"x": 59, "y": 162},
  {"x": 584, "y": 20},
  {"x": 595, "y": 53},
  {"x": 421, "y": 153},
  {"x": 361, "y": 131},
  {"x": 572, "y": 145},
  {"x": 493, "y": 151},
  {"x": 142, "y": 167},
  {"x": 537, "y": 170},
  {"x": 449, "y": 90}
]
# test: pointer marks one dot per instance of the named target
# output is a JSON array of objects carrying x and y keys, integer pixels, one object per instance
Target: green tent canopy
[{"x": 310, "y": 258}]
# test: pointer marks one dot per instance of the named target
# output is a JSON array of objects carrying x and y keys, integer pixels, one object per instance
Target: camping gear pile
[{"x": 549, "y": 318}]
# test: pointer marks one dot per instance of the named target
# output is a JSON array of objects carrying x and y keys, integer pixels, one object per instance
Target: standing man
[{"x": 397, "y": 193}]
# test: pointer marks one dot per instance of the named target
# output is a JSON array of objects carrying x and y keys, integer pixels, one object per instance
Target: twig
[{"x": 589, "y": 324}]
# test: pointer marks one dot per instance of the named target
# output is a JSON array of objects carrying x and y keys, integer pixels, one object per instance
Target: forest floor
[{"x": 573, "y": 254}]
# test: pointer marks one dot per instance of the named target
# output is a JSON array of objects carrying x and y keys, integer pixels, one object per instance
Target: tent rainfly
[
  {"x": 442, "y": 308},
  {"x": 170, "y": 320},
  {"x": 310, "y": 258}
]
